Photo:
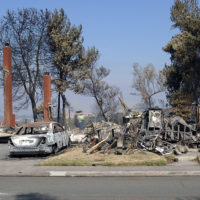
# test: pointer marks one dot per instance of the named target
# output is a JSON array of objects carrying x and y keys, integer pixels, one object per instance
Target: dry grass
[
  {"x": 198, "y": 159},
  {"x": 75, "y": 157},
  {"x": 170, "y": 158}
]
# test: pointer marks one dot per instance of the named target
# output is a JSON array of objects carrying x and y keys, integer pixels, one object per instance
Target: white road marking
[
  {"x": 3, "y": 194},
  {"x": 57, "y": 173}
]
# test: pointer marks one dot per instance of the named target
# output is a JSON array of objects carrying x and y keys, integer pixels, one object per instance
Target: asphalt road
[
  {"x": 3, "y": 151},
  {"x": 101, "y": 188}
]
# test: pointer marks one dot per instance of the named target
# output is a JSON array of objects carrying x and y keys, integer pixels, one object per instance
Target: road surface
[
  {"x": 100, "y": 188},
  {"x": 3, "y": 151}
]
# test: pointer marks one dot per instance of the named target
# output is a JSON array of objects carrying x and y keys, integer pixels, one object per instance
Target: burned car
[{"x": 38, "y": 138}]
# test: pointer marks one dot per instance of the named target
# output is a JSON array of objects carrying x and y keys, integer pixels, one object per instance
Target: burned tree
[
  {"x": 147, "y": 83},
  {"x": 106, "y": 96},
  {"x": 25, "y": 31},
  {"x": 70, "y": 65}
]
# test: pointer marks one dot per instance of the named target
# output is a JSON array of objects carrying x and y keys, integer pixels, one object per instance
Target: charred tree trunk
[
  {"x": 60, "y": 94},
  {"x": 101, "y": 109},
  {"x": 34, "y": 109},
  {"x": 64, "y": 101},
  {"x": 58, "y": 114},
  {"x": 149, "y": 102}
]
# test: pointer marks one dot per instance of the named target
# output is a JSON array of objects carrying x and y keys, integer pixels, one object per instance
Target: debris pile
[
  {"x": 6, "y": 130},
  {"x": 141, "y": 131},
  {"x": 95, "y": 131}
]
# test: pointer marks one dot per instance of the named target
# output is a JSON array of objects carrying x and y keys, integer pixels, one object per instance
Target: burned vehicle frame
[{"x": 38, "y": 138}]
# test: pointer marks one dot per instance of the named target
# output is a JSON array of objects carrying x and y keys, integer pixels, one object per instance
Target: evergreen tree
[
  {"x": 70, "y": 63},
  {"x": 182, "y": 76}
]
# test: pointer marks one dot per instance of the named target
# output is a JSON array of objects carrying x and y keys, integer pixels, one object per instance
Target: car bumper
[{"x": 30, "y": 151}]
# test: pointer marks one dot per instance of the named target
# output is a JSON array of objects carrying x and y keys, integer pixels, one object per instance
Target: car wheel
[
  {"x": 11, "y": 156},
  {"x": 69, "y": 142},
  {"x": 55, "y": 149}
]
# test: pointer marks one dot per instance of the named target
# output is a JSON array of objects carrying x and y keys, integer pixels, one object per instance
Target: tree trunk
[
  {"x": 34, "y": 108},
  {"x": 103, "y": 114},
  {"x": 69, "y": 118},
  {"x": 101, "y": 109},
  {"x": 149, "y": 99},
  {"x": 59, "y": 94},
  {"x": 58, "y": 114},
  {"x": 64, "y": 106}
]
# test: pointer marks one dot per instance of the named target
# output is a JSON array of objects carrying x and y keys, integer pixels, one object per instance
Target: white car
[{"x": 38, "y": 138}]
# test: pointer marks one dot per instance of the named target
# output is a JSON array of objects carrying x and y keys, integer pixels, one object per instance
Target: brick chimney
[
  {"x": 9, "y": 117},
  {"x": 47, "y": 98}
]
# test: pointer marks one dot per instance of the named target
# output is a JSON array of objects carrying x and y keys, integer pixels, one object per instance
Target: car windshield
[{"x": 43, "y": 129}]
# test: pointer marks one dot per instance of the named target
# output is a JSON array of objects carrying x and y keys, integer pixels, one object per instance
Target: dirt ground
[{"x": 75, "y": 157}]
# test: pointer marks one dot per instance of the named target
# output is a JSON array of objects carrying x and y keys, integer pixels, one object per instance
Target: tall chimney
[
  {"x": 47, "y": 98},
  {"x": 9, "y": 118}
]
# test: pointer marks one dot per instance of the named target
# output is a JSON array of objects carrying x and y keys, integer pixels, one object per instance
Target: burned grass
[{"x": 75, "y": 157}]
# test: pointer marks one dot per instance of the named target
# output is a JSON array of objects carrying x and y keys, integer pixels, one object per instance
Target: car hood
[{"x": 26, "y": 140}]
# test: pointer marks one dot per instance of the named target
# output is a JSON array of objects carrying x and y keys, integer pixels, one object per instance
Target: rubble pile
[
  {"x": 95, "y": 131},
  {"x": 4, "y": 130},
  {"x": 141, "y": 131}
]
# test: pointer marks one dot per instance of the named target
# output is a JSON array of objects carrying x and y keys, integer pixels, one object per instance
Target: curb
[
  {"x": 122, "y": 173},
  {"x": 102, "y": 174}
]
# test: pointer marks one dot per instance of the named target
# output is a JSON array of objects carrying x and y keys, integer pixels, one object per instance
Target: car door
[
  {"x": 64, "y": 135},
  {"x": 57, "y": 132}
]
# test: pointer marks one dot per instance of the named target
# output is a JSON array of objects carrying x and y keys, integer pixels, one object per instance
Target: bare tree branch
[
  {"x": 147, "y": 82},
  {"x": 26, "y": 30}
]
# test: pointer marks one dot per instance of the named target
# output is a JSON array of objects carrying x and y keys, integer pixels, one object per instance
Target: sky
[{"x": 124, "y": 32}]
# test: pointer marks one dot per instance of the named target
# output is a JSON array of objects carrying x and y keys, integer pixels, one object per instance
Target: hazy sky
[{"x": 124, "y": 31}]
